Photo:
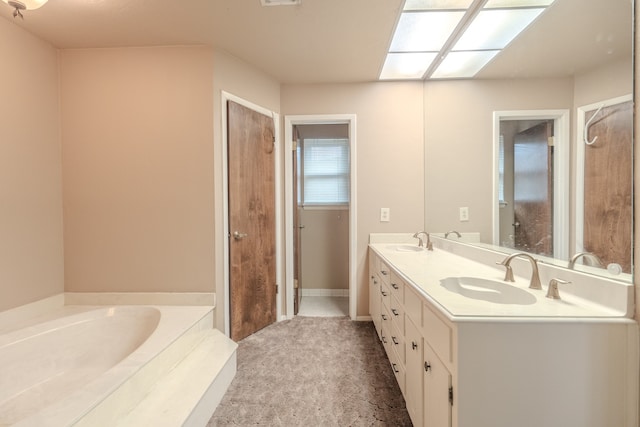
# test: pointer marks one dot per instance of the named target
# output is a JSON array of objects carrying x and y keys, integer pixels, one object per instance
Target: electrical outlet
[
  {"x": 464, "y": 214},
  {"x": 385, "y": 215}
]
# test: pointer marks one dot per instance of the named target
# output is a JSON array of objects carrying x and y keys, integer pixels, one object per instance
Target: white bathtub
[{"x": 57, "y": 371}]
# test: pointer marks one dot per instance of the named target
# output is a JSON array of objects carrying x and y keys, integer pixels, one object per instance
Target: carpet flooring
[{"x": 312, "y": 371}]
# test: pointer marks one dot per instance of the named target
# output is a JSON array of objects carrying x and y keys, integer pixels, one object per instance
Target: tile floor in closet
[{"x": 321, "y": 306}]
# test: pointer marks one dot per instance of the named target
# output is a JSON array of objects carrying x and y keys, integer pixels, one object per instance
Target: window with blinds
[{"x": 325, "y": 172}]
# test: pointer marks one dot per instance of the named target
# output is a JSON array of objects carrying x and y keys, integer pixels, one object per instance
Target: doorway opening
[
  {"x": 320, "y": 215},
  {"x": 531, "y": 181}
]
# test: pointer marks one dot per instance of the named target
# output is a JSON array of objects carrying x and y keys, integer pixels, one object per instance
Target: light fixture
[
  {"x": 458, "y": 36},
  {"x": 406, "y": 65},
  {"x": 20, "y": 5}
]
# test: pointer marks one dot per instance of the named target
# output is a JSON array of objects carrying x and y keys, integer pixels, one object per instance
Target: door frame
[
  {"x": 225, "y": 96},
  {"x": 580, "y": 153},
  {"x": 561, "y": 173},
  {"x": 320, "y": 119}
]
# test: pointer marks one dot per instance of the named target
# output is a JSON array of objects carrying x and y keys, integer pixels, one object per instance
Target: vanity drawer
[
  {"x": 384, "y": 272},
  {"x": 396, "y": 311},
  {"x": 437, "y": 333},
  {"x": 413, "y": 306},
  {"x": 398, "y": 370},
  {"x": 386, "y": 320},
  {"x": 385, "y": 292},
  {"x": 397, "y": 287},
  {"x": 397, "y": 342}
]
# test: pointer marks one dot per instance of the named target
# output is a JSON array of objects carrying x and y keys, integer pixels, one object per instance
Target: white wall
[{"x": 31, "y": 243}]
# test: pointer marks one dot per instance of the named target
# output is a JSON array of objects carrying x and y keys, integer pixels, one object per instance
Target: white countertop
[{"x": 425, "y": 270}]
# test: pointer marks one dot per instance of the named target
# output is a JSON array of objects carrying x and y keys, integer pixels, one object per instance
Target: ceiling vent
[{"x": 280, "y": 2}]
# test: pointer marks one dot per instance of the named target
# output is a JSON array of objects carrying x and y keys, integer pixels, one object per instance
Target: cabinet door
[
  {"x": 414, "y": 376},
  {"x": 437, "y": 383}
]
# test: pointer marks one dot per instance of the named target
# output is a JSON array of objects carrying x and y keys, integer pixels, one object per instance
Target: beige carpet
[{"x": 313, "y": 372}]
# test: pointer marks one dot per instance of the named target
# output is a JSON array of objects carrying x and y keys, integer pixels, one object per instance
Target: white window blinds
[{"x": 325, "y": 172}]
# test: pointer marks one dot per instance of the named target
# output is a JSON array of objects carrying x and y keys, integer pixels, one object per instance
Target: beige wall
[
  {"x": 459, "y": 144},
  {"x": 611, "y": 81},
  {"x": 389, "y": 155},
  {"x": 325, "y": 249},
  {"x": 242, "y": 80},
  {"x": 31, "y": 245},
  {"x": 137, "y": 128}
]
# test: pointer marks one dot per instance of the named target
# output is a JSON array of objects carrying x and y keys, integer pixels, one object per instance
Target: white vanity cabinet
[
  {"x": 414, "y": 372},
  {"x": 375, "y": 309},
  {"x": 424, "y": 380},
  {"x": 437, "y": 391},
  {"x": 492, "y": 370}
]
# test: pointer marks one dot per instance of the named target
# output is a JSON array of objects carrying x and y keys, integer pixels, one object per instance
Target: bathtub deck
[
  {"x": 177, "y": 376},
  {"x": 189, "y": 394}
]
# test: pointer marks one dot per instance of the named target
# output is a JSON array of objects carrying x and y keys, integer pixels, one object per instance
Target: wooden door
[
  {"x": 533, "y": 190},
  {"x": 297, "y": 228},
  {"x": 252, "y": 249},
  {"x": 608, "y": 186}
]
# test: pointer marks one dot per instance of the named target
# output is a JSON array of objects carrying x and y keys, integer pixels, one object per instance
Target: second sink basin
[{"x": 488, "y": 290}]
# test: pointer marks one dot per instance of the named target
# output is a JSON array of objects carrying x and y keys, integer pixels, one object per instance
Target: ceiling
[{"x": 325, "y": 41}]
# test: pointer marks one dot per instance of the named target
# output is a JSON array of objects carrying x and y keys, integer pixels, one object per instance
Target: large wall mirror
[
  {"x": 559, "y": 101},
  {"x": 562, "y": 196}
]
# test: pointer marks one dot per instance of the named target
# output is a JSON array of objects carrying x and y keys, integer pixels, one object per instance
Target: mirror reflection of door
[
  {"x": 527, "y": 200},
  {"x": 608, "y": 185}
]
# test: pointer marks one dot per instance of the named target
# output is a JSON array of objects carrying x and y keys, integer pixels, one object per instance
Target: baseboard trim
[
  {"x": 325, "y": 292},
  {"x": 363, "y": 319}
]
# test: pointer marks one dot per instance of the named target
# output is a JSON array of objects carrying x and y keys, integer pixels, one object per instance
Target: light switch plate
[
  {"x": 385, "y": 215},
  {"x": 464, "y": 214}
]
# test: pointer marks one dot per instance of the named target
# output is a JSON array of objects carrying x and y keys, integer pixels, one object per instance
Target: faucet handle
[
  {"x": 552, "y": 291},
  {"x": 508, "y": 276}
]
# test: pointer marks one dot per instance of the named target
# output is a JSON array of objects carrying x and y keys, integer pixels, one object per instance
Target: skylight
[{"x": 448, "y": 39}]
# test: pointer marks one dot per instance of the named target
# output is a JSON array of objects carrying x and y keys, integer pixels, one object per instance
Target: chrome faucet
[
  {"x": 535, "y": 275},
  {"x": 588, "y": 256},
  {"x": 421, "y": 242},
  {"x": 452, "y": 232}
]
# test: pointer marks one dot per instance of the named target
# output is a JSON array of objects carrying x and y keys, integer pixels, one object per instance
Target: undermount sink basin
[
  {"x": 408, "y": 248},
  {"x": 488, "y": 290}
]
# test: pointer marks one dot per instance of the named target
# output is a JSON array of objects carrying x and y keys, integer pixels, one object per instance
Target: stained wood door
[
  {"x": 251, "y": 180},
  {"x": 608, "y": 185},
  {"x": 533, "y": 190}
]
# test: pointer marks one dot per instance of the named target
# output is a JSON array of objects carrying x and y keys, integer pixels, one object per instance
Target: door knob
[{"x": 239, "y": 236}]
